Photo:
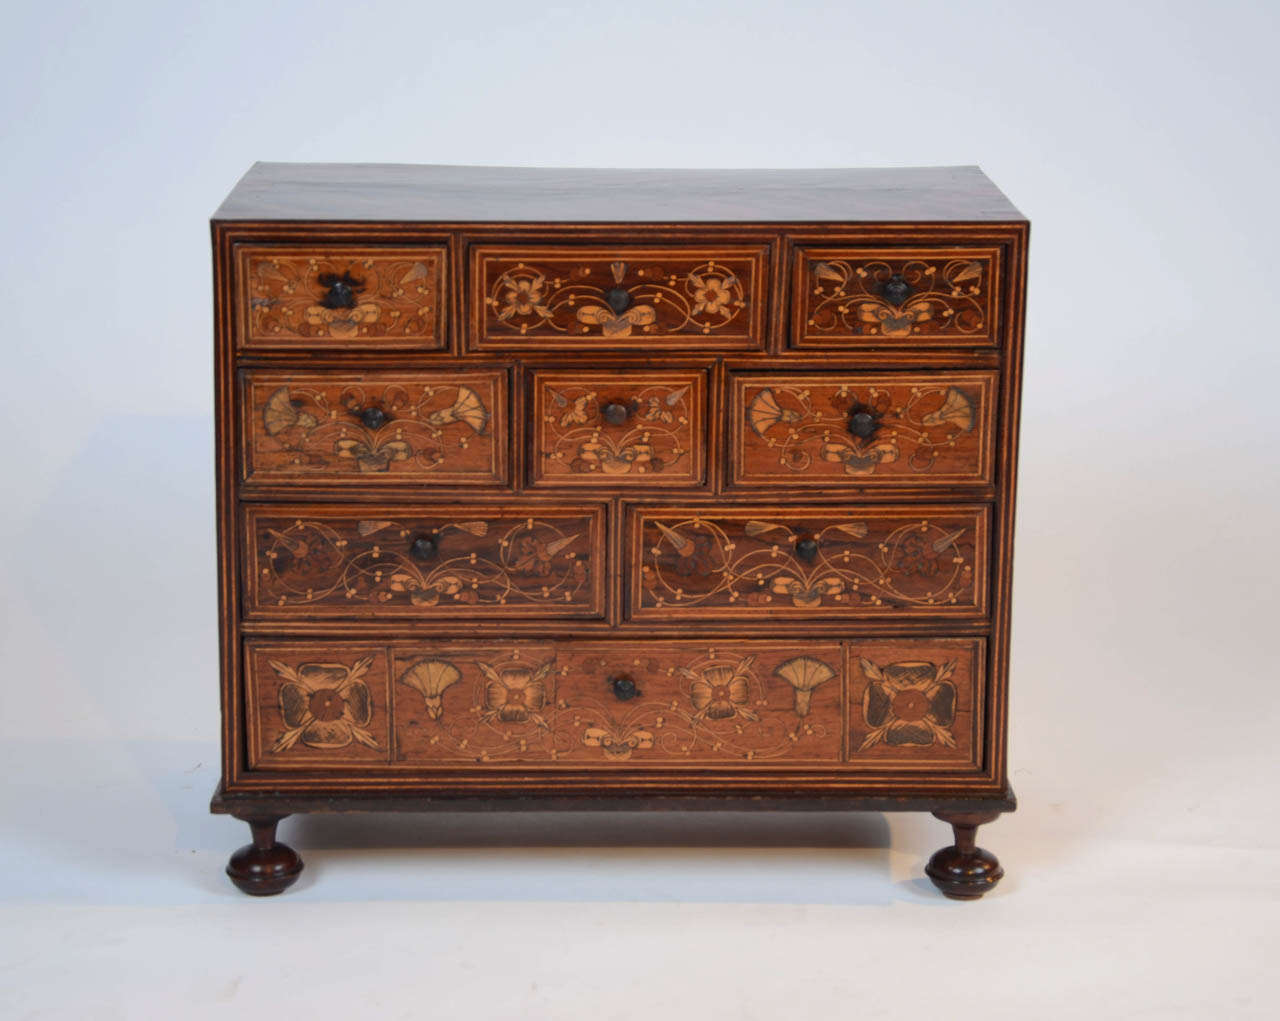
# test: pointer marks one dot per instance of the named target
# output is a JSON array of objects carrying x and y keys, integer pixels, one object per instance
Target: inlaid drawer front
[
  {"x": 916, "y": 702},
  {"x": 862, "y": 430},
  {"x": 423, "y": 562},
  {"x": 618, "y": 428},
  {"x": 310, "y": 706},
  {"x": 896, "y": 297},
  {"x": 341, "y": 297},
  {"x": 621, "y": 298},
  {"x": 600, "y": 703},
  {"x": 689, "y": 563},
  {"x": 379, "y": 428}
]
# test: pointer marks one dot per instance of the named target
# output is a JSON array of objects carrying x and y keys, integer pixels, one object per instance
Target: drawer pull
[
  {"x": 619, "y": 299},
  {"x": 807, "y": 549},
  {"x": 341, "y": 291},
  {"x": 863, "y": 421},
  {"x": 624, "y": 688},
  {"x": 895, "y": 290},
  {"x": 423, "y": 547},
  {"x": 373, "y": 418},
  {"x": 615, "y": 413}
]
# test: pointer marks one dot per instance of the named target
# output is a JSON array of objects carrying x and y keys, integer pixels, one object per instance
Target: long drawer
[{"x": 883, "y": 704}]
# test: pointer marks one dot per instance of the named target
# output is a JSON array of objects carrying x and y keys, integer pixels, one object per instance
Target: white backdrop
[{"x": 1141, "y": 140}]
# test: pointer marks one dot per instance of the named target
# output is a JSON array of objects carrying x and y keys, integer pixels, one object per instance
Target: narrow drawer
[
  {"x": 307, "y": 561},
  {"x": 375, "y": 428},
  {"x": 618, "y": 428},
  {"x": 356, "y": 298},
  {"x": 862, "y": 430},
  {"x": 883, "y": 706},
  {"x": 618, "y": 298},
  {"x": 896, "y": 297},
  {"x": 766, "y": 563}
]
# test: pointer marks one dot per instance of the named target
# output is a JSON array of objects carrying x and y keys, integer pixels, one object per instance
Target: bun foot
[
  {"x": 964, "y": 871},
  {"x": 264, "y": 867}
]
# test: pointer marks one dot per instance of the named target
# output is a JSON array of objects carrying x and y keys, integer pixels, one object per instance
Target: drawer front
[
  {"x": 619, "y": 298},
  {"x": 896, "y": 297},
  {"x": 862, "y": 430},
  {"x": 358, "y": 298},
  {"x": 316, "y": 706},
  {"x": 877, "y": 706},
  {"x": 618, "y": 429},
  {"x": 764, "y": 563},
  {"x": 375, "y": 428},
  {"x": 601, "y": 703},
  {"x": 424, "y": 562}
]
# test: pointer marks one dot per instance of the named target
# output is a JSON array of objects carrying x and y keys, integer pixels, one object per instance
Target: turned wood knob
[
  {"x": 423, "y": 547},
  {"x": 807, "y": 549},
  {"x": 615, "y": 413},
  {"x": 624, "y": 688},
  {"x": 340, "y": 290},
  {"x": 373, "y": 418},
  {"x": 895, "y": 290},
  {"x": 862, "y": 424},
  {"x": 619, "y": 299}
]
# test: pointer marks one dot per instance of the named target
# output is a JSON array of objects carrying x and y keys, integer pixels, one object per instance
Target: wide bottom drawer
[{"x": 880, "y": 705}]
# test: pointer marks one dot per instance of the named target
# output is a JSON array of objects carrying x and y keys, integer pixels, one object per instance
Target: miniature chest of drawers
[{"x": 626, "y": 489}]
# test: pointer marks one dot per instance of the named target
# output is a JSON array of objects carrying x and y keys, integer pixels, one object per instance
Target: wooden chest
[{"x": 567, "y": 488}]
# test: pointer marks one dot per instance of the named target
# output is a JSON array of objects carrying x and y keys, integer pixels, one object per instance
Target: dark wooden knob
[
  {"x": 615, "y": 413},
  {"x": 862, "y": 424},
  {"x": 619, "y": 299},
  {"x": 895, "y": 290},
  {"x": 807, "y": 549},
  {"x": 423, "y": 547},
  {"x": 340, "y": 290},
  {"x": 373, "y": 418},
  {"x": 624, "y": 688}
]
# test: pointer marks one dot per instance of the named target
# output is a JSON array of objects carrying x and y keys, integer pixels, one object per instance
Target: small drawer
[
  {"x": 862, "y": 430},
  {"x": 356, "y": 298},
  {"x": 767, "y": 563},
  {"x": 916, "y": 703},
  {"x": 601, "y": 704},
  {"x": 618, "y": 298},
  {"x": 896, "y": 297},
  {"x": 375, "y": 428},
  {"x": 456, "y": 561},
  {"x": 309, "y": 706},
  {"x": 618, "y": 429}
]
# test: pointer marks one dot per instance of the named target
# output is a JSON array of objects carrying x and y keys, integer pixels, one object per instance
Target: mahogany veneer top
[{"x": 463, "y": 194}]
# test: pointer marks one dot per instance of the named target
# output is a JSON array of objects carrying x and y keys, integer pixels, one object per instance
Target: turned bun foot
[
  {"x": 264, "y": 867},
  {"x": 964, "y": 871}
]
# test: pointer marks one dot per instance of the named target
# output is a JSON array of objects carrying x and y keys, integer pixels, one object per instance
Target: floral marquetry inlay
[
  {"x": 636, "y": 297},
  {"x": 455, "y": 561},
  {"x": 376, "y": 427},
  {"x": 891, "y": 297},
  {"x": 634, "y": 428},
  {"x": 327, "y": 297},
  {"x": 879, "y": 562},
  {"x": 816, "y": 430}
]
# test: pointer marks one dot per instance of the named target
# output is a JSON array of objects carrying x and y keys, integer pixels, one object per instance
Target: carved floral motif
[
  {"x": 899, "y": 296},
  {"x": 502, "y": 566},
  {"x": 859, "y": 566},
  {"x": 343, "y": 295},
  {"x": 312, "y": 425},
  {"x": 807, "y": 428}
]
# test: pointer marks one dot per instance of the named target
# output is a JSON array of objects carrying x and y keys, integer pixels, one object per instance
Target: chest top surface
[{"x": 477, "y": 194}]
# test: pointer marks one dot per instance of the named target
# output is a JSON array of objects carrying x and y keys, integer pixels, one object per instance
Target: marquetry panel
[
  {"x": 359, "y": 298},
  {"x": 862, "y": 429},
  {"x": 312, "y": 706},
  {"x": 618, "y": 428},
  {"x": 375, "y": 428},
  {"x": 619, "y": 297},
  {"x": 916, "y": 703},
  {"x": 424, "y": 562},
  {"x": 768, "y": 562},
  {"x": 896, "y": 297}
]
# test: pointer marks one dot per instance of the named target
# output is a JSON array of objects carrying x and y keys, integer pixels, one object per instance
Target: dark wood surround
[{"x": 627, "y": 489}]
